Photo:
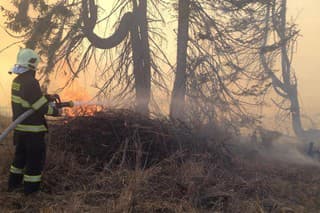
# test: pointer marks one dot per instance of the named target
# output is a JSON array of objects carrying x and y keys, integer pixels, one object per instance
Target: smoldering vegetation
[
  {"x": 286, "y": 149},
  {"x": 290, "y": 150},
  {"x": 138, "y": 164}
]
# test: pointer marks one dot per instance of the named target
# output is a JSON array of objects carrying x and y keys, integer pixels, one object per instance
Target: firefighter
[{"x": 29, "y": 135}]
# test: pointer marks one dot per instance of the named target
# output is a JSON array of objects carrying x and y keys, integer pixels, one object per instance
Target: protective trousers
[{"x": 28, "y": 161}]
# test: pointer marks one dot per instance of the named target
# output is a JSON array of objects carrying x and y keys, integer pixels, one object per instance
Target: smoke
[
  {"x": 290, "y": 150},
  {"x": 84, "y": 103}
]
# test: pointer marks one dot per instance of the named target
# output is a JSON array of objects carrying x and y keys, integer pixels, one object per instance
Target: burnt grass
[{"x": 119, "y": 161}]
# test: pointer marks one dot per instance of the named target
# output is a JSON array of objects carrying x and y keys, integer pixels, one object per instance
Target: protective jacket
[{"x": 26, "y": 94}]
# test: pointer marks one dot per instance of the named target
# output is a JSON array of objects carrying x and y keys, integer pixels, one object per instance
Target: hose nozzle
[{"x": 65, "y": 104}]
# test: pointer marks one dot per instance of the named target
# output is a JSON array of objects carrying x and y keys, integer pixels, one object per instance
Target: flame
[
  {"x": 80, "y": 96},
  {"x": 83, "y": 110}
]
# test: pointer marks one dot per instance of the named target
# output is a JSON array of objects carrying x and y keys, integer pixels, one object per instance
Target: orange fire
[
  {"x": 83, "y": 106},
  {"x": 83, "y": 110}
]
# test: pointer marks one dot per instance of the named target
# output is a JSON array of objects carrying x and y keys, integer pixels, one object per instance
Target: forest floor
[{"x": 121, "y": 162}]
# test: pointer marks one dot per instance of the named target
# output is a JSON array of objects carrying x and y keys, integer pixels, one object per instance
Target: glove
[
  {"x": 54, "y": 110},
  {"x": 53, "y": 97}
]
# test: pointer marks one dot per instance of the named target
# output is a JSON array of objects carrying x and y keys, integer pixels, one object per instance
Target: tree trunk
[
  {"x": 286, "y": 87},
  {"x": 295, "y": 113},
  {"x": 287, "y": 74},
  {"x": 177, "y": 107},
  {"x": 141, "y": 51}
]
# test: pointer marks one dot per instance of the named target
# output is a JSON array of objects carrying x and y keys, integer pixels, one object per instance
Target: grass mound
[{"x": 123, "y": 138}]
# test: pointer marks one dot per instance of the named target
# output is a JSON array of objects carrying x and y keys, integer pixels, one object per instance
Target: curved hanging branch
[
  {"x": 136, "y": 24},
  {"x": 90, "y": 12}
]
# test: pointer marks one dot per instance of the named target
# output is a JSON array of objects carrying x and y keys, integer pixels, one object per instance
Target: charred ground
[{"x": 119, "y": 161}]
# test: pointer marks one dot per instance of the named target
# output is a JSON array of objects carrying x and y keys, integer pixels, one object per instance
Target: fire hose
[{"x": 55, "y": 102}]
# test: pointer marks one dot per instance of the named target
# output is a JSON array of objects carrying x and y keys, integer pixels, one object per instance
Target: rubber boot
[{"x": 31, "y": 188}]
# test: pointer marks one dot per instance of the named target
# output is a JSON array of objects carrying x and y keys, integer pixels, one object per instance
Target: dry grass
[
  {"x": 6, "y": 148},
  {"x": 200, "y": 180},
  {"x": 6, "y": 153}
]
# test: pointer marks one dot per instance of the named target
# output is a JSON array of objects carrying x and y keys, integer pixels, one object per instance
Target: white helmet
[{"x": 28, "y": 58}]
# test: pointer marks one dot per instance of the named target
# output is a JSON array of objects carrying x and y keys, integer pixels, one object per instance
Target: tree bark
[
  {"x": 141, "y": 58},
  {"x": 296, "y": 114},
  {"x": 177, "y": 107}
]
